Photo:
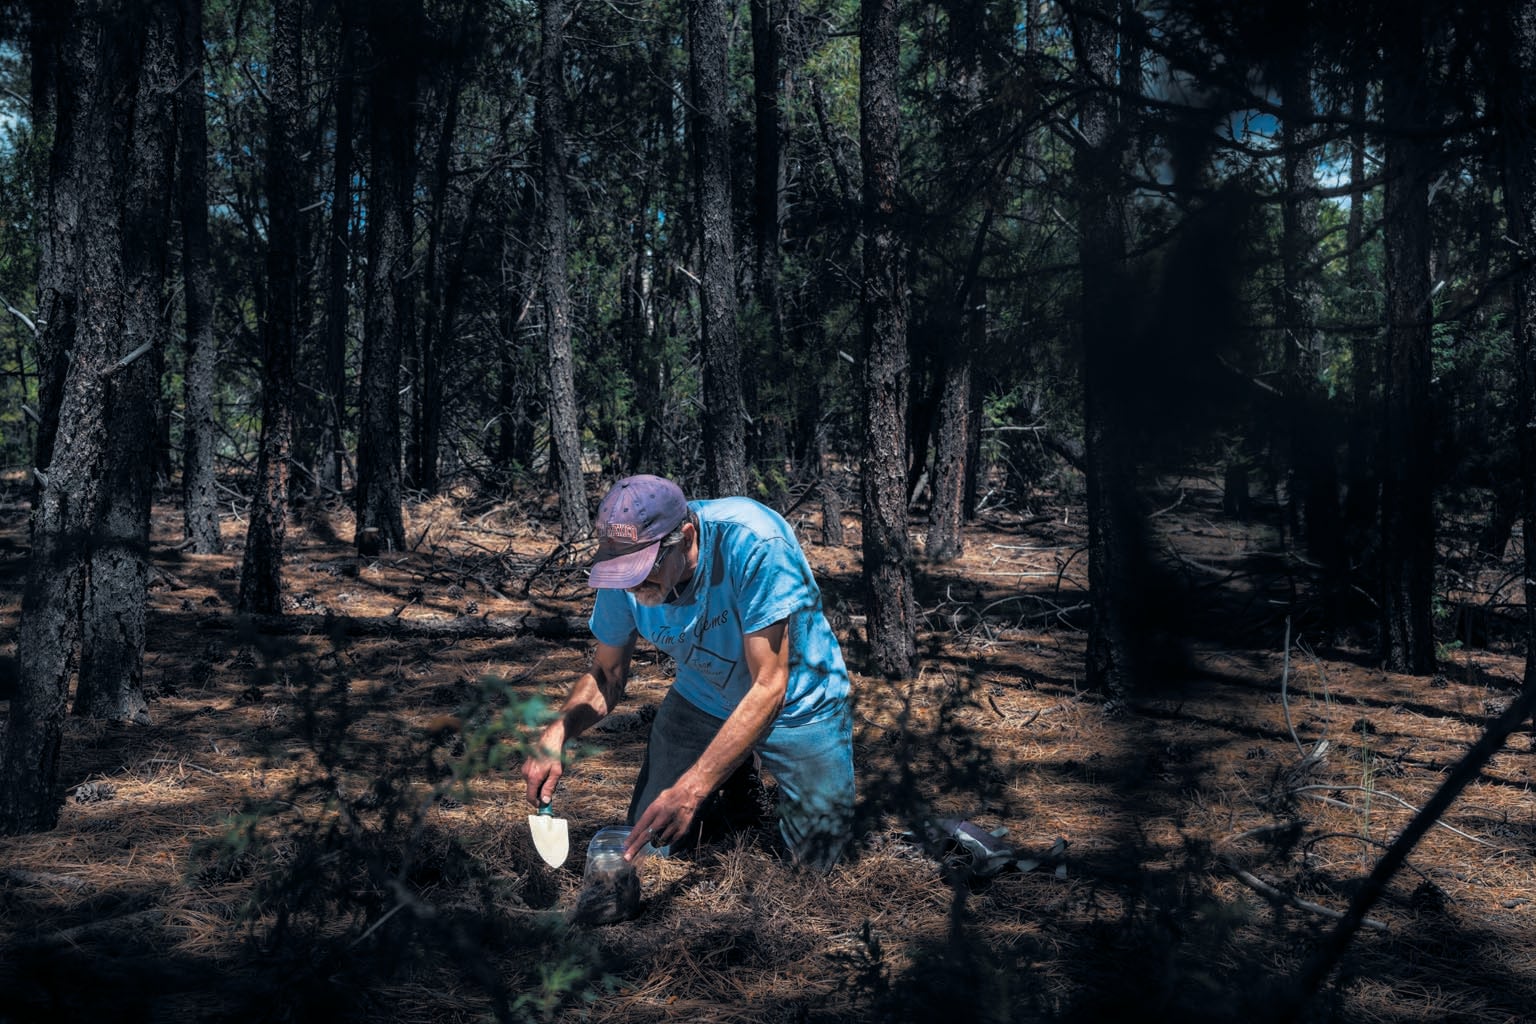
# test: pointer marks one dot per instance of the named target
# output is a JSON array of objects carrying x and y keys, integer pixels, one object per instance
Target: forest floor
[{"x": 325, "y": 818}]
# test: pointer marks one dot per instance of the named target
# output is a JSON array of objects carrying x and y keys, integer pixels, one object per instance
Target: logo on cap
[{"x": 621, "y": 531}]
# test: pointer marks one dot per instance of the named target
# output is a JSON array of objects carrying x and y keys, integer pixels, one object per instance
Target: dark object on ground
[
  {"x": 984, "y": 854},
  {"x": 609, "y": 894}
]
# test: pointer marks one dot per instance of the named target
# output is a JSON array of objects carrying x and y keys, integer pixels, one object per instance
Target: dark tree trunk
[
  {"x": 768, "y": 20},
  {"x": 639, "y": 329},
  {"x": 200, "y": 505},
  {"x": 946, "y": 538},
  {"x": 111, "y": 672},
  {"x": 514, "y": 445},
  {"x": 565, "y": 430},
  {"x": 975, "y": 472},
  {"x": 1408, "y": 524},
  {"x": 95, "y": 86},
  {"x": 329, "y": 468},
  {"x": 1314, "y": 491},
  {"x": 261, "y": 572},
  {"x": 393, "y": 38},
  {"x": 725, "y": 450},
  {"x": 1114, "y": 515},
  {"x": 436, "y": 326},
  {"x": 65, "y": 93},
  {"x": 887, "y": 546},
  {"x": 55, "y": 94},
  {"x": 826, "y": 486},
  {"x": 1517, "y": 119},
  {"x": 1361, "y": 502}
]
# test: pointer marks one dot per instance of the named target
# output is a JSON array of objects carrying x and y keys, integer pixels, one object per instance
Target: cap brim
[{"x": 623, "y": 571}]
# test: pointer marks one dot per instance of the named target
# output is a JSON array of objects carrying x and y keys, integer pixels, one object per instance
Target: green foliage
[{"x": 357, "y": 886}]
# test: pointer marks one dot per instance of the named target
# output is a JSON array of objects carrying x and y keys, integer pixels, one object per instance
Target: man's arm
[
  {"x": 671, "y": 814},
  {"x": 592, "y": 697}
]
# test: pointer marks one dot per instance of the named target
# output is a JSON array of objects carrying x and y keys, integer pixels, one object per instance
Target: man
[{"x": 725, "y": 590}]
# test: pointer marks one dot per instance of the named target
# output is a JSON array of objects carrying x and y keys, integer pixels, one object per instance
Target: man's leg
[
  {"x": 679, "y": 734},
  {"x": 814, "y": 767}
]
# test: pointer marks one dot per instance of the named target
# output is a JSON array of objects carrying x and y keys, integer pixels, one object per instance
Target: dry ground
[{"x": 297, "y": 834}]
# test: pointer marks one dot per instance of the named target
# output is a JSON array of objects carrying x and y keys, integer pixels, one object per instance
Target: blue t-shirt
[{"x": 751, "y": 574}]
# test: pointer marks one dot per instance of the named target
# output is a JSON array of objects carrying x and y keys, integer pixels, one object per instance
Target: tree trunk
[
  {"x": 1408, "y": 524},
  {"x": 200, "y": 505},
  {"x": 887, "y": 547},
  {"x": 725, "y": 447},
  {"x": 438, "y": 286},
  {"x": 513, "y": 444},
  {"x": 391, "y": 132},
  {"x": 1114, "y": 516},
  {"x": 1314, "y": 491},
  {"x": 333, "y": 385},
  {"x": 768, "y": 19},
  {"x": 826, "y": 487},
  {"x": 565, "y": 430},
  {"x": 1517, "y": 119},
  {"x": 112, "y": 649},
  {"x": 1363, "y": 490},
  {"x": 946, "y": 538},
  {"x": 261, "y": 572},
  {"x": 59, "y": 253},
  {"x": 94, "y": 82}
]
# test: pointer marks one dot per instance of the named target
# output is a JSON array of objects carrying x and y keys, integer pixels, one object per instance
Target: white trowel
[{"x": 550, "y": 836}]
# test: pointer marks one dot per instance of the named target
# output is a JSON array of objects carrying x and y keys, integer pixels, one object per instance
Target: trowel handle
[{"x": 548, "y": 810}]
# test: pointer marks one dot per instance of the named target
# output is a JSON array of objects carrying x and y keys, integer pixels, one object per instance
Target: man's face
[{"x": 670, "y": 569}]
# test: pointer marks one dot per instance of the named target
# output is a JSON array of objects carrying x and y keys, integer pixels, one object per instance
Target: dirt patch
[{"x": 326, "y": 817}]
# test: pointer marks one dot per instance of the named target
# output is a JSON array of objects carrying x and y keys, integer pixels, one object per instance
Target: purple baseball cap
[{"x": 633, "y": 520}]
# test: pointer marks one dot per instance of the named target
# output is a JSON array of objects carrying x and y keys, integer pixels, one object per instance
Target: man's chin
[{"x": 648, "y": 595}]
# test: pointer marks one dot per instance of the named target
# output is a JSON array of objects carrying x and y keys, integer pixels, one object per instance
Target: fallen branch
[
  {"x": 465, "y": 627},
  {"x": 173, "y": 762},
  {"x": 1285, "y": 677},
  {"x": 1264, "y": 888},
  {"x": 26, "y": 877},
  {"x": 1315, "y": 793}
]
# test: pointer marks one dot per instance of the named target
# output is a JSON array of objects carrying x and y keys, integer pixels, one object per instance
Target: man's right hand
[{"x": 542, "y": 769}]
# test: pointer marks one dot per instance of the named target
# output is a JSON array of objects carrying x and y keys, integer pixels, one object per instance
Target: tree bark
[
  {"x": 112, "y": 650},
  {"x": 887, "y": 546},
  {"x": 1114, "y": 515},
  {"x": 261, "y": 571},
  {"x": 1362, "y": 496},
  {"x": 95, "y": 86},
  {"x": 515, "y": 406},
  {"x": 826, "y": 488},
  {"x": 1408, "y": 523},
  {"x": 423, "y": 456},
  {"x": 725, "y": 449},
  {"x": 565, "y": 430},
  {"x": 200, "y": 506},
  {"x": 1314, "y": 491},
  {"x": 952, "y": 450},
  {"x": 768, "y": 20},
  {"x": 1517, "y": 121},
  {"x": 391, "y": 131},
  {"x": 329, "y": 469},
  {"x": 55, "y": 95}
]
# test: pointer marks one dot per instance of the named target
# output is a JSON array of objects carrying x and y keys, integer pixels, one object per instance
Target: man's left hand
[{"x": 669, "y": 817}]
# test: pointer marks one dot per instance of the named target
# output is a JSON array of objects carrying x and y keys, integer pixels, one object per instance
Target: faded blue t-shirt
[{"x": 751, "y": 574}]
